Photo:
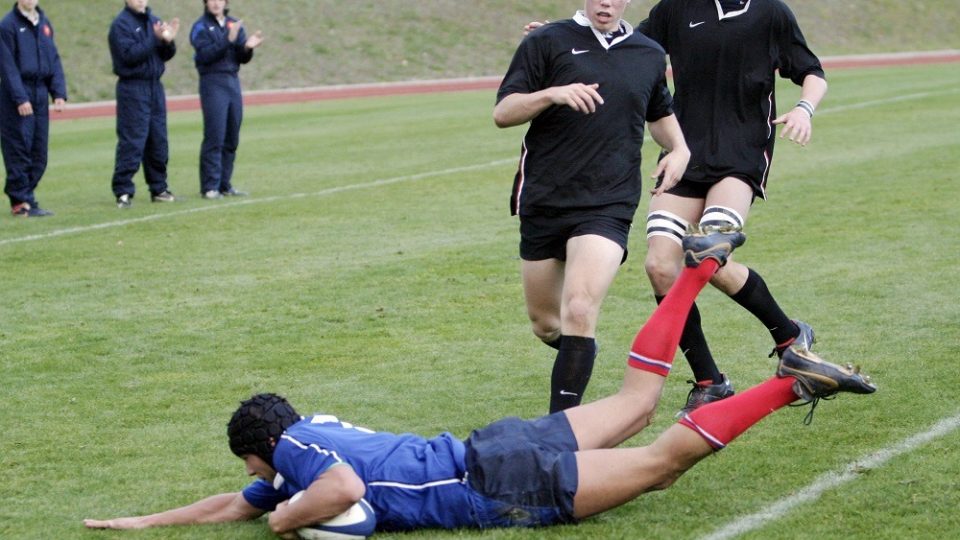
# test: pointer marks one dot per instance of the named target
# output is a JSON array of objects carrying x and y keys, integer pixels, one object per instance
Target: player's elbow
[
  {"x": 501, "y": 119},
  {"x": 347, "y": 491},
  {"x": 509, "y": 112},
  {"x": 353, "y": 490}
]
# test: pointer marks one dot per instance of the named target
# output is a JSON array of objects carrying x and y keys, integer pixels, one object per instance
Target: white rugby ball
[{"x": 358, "y": 521}]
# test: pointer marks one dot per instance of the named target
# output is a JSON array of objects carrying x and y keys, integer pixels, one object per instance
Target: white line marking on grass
[
  {"x": 377, "y": 183},
  {"x": 275, "y": 198},
  {"x": 833, "y": 480},
  {"x": 884, "y": 101}
]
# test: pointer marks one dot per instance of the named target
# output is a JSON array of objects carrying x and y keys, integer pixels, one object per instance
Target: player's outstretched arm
[
  {"x": 216, "y": 509},
  {"x": 518, "y": 108},
  {"x": 666, "y": 132},
  {"x": 797, "y": 122},
  {"x": 330, "y": 495}
]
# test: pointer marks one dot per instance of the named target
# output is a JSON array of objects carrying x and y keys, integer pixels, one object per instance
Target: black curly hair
[{"x": 257, "y": 425}]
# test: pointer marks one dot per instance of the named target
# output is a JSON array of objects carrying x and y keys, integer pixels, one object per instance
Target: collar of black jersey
[{"x": 581, "y": 18}]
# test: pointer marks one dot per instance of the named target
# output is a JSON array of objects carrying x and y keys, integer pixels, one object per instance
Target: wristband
[{"x": 806, "y": 106}]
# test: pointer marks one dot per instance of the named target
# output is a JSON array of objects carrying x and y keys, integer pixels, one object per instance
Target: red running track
[{"x": 301, "y": 95}]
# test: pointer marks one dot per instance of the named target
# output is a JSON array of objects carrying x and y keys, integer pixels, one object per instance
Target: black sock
[
  {"x": 555, "y": 343},
  {"x": 571, "y": 372},
  {"x": 694, "y": 346},
  {"x": 756, "y": 298}
]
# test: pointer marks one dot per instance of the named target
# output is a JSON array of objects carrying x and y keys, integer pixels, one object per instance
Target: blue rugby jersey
[{"x": 411, "y": 482}]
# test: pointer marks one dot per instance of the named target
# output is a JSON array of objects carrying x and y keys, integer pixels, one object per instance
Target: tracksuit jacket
[
  {"x": 218, "y": 62},
  {"x": 138, "y": 61},
  {"x": 30, "y": 70}
]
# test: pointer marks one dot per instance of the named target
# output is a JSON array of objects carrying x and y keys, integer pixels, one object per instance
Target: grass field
[
  {"x": 373, "y": 274},
  {"x": 321, "y": 42}
]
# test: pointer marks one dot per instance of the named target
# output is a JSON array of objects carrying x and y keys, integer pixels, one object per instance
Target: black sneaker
[
  {"x": 805, "y": 340},
  {"x": 124, "y": 201},
  {"x": 701, "y": 243},
  {"x": 36, "y": 211},
  {"x": 705, "y": 392},
  {"x": 163, "y": 196},
  {"x": 817, "y": 378}
]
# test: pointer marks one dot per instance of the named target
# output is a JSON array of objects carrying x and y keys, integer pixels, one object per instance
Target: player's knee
[
  {"x": 644, "y": 405},
  {"x": 546, "y": 334},
  {"x": 669, "y": 472},
  {"x": 580, "y": 314},
  {"x": 662, "y": 270},
  {"x": 545, "y": 327}
]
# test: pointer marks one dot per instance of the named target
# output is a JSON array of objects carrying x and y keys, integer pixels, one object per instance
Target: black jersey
[
  {"x": 724, "y": 68},
  {"x": 576, "y": 162}
]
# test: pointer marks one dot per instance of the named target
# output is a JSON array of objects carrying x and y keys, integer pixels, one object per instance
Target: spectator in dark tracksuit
[
  {"x": 221, "y": 46},
  {"x": 30, "y": 72},
  {"x": 140, "y": 43}
]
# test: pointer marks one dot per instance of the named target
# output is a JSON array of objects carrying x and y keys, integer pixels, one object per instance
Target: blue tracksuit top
[
  {"x": 135, "y": 50},
  {"x": 28, "y": 53},
  {"x": 215, "y": 53}
]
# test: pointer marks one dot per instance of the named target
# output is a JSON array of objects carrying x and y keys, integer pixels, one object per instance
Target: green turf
[
  {"x": 373, "y": 274},
  {"x": 317, "y": 42}
]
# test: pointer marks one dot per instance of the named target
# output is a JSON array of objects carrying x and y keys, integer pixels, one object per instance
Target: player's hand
[
  {"x": 796, "y": 126},
  {"x": 59, "y": 104},
  {"x": 25, "y": 109},
  {"x": 533, "y": 25},
  {"x": 233, "y": 30},
  {"x": 166, "y": 32},
  {"x": 578, "y": 96},
  {"x": 670, "y": 170},
  {"x": 254, "y": 40},
  {"x": 119, "y": 523},
  {"x": 170, "y": 29}
]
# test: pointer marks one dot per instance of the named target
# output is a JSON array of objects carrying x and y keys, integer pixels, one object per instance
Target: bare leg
[
  {"x": 611, "y": 477},
  {"x": 736, "y": 194},
  {"x": 611, "y": 420},
  {"x": 592, "y": 263},
  {"x": 666, "y": 224},
  {"x": 741, "y": 284},
  {"x": 542, "y": 289}
]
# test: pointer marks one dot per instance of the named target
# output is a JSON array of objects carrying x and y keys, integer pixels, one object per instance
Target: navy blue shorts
[
  {"x": 545, "y": 237},
  {"x": 526, "y": 470}
]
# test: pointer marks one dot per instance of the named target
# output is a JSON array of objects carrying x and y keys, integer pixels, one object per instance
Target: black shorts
[
  {"x": 545, "y": 237},
  {"x": 698, "y": 190},
  {"x": 527, "y": 465}
]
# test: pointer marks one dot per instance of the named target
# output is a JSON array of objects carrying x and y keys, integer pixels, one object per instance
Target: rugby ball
[{"x": 358, "y": 521}]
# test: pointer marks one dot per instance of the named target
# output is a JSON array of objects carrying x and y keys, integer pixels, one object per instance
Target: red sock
[
  {"x": 722, "y": 421},
  {"x": 656, "y": 343}
]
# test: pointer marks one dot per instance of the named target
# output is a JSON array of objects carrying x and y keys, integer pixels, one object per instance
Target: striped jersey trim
[
  {"x": 314, "y": 447},
  {"x": 418, "y": 487},
  {"x": 521, "y": 175}
]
